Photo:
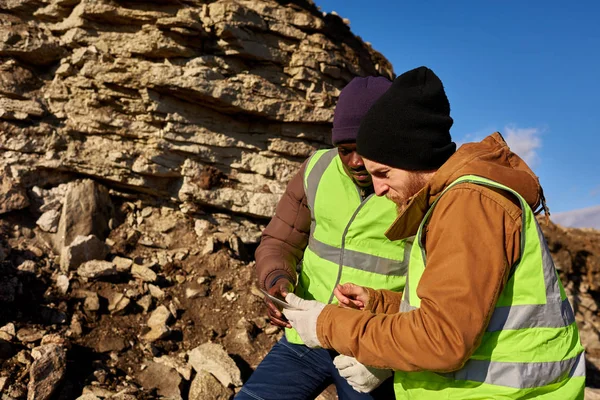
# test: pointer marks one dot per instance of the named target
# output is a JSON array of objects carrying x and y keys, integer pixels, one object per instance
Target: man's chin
[
  {"x": 363, "y": 184},
  {"x": 401, "y": 204}
]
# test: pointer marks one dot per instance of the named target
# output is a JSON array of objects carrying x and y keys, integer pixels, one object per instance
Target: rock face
[
  {"x": 12, "y": 196},
  {"x": 165, "y": 379},
  {"x": 210, "y": 102},
  {"x": 46, "y": 372},
  {"x": 213, "y": 358},
  {"x": 95, "y": 269},
  {"x": 86, "y": 211},
  {"x": 206, "y": 386},
  {"x": 82, "y": 249}
]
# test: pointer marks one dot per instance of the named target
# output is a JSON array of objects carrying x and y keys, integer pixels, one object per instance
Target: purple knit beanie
[{"x": 355, "y": 100}]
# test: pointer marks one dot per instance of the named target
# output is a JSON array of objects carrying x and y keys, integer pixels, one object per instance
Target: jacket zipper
[{"x": 341, "y": 264}]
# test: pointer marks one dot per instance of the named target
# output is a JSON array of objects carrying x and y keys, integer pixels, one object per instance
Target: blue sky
[{"x": 530, "y": 69}]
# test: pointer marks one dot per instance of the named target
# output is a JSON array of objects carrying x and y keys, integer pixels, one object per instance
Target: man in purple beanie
[{"x": 328, "y": 229}]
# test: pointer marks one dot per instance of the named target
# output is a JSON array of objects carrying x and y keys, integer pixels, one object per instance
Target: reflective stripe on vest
[
  {"x": 362, "y": 261},
  {"x": 347, "y": 241},
  {"x": 545, "y": 335}
]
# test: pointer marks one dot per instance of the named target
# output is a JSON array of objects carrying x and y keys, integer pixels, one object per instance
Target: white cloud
[
  {"x": 582, "y": 218},
  {"x": 524, "y": 141}
]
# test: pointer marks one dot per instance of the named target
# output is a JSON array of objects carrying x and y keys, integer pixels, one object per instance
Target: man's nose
[
  {"x": 356, "y": 161},
  {"x": 380, "y": 187}
]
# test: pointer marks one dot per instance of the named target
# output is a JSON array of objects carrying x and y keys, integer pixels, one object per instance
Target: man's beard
[{"x": 402, "y": 197}]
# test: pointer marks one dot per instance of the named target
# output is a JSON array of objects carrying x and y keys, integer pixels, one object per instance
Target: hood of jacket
[{"x": 492, "y": 159}]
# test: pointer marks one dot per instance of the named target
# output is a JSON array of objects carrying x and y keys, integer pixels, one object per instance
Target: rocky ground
[
  {"x": 164, "y": 305},
  {"x": 157, "y": 300}
]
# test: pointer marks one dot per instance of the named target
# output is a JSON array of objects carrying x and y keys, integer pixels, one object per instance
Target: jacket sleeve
[
  {"x": 286, "y": 236},
  {"x": 384, "y": 301},
  {"x": 472, "y": 238}
]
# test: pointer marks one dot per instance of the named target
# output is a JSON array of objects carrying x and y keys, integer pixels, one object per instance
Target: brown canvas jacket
[
  {"x": 383, "y": 301},
  {"x": 286, "y": 236},
  {"x": 471, "y": 240}
]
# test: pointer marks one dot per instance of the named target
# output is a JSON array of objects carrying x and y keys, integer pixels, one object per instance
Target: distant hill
[{"x": 583, "y": 218}]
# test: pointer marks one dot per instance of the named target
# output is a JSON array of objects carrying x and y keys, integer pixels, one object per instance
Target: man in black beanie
[
  {"x": 408, "y": 129},
  {"x": 483, "y": 314},
  {"x": 409, "y": 126}
]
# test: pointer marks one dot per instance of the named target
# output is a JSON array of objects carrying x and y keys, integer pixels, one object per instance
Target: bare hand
[
  {"x": 280, "y": 289},
  {"x": 350, "y": 295}
]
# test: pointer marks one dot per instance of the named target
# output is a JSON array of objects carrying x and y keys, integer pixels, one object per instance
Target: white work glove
[
  {"x": 363, "y": 379},
  {"x": 304, "y": 320}
]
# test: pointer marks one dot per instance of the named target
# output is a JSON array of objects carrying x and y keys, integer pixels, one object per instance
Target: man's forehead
[
  {"x": 347, "y": 145},
  {"x": 374, "y": 165}
]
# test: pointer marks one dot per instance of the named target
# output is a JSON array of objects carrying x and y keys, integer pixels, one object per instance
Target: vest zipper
[{"x": 341, "y": 264}]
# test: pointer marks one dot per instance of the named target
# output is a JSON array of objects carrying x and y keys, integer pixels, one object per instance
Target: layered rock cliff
[
  {"x": 142, "y": 146},
  {"x": 207, "y": 102}
]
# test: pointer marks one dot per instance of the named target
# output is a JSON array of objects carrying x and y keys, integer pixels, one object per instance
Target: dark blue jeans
[{"x": 296, "y": 372}]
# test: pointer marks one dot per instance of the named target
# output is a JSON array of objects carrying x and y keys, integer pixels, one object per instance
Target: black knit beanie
[{"x": 409, "y": 126}]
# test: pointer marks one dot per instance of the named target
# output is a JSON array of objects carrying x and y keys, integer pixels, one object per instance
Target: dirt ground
[{"x": 224, "y": 309}]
